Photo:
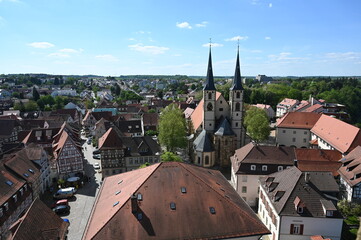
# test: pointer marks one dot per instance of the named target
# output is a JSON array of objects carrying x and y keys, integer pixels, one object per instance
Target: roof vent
[
  {"x": 212, "y": 210},
  {"x": 116, "y": 203},
  {"x": 26, "y": 175},
  {"x": 120, "y": 181},
  {"x": 31, "y": 170},
  {"x": 117, "y": 192},
  {"x": 172, "y": 206}
]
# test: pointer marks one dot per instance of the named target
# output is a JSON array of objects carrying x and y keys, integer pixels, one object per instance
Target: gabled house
[
  {"x": 296, "y": 205},
  {"x": 192, "y": 203},
  {"x": 350, "y": 175},
  {"x": 251, "y": 162},
  {"x": 334, "y": 134},
  {"x": 42, "y": 137},
  {"x": 39, "y": 222},
  {"x": 92, "y": 117},
  {"x": 130, "y": 128},
  {"x": 285, "y": 106},
  {"x": 100, "y": 128},
  {"x": 15, "y": 198},
  {"x": 293, "y": 129}
]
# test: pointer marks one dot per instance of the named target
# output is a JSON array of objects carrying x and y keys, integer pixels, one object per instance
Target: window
[
  {"x": 244, "y": 189},
  {"x": 183, "y": 190},
  {"x": 253, "y": 167},
  {"x": 305, "y": 132},
  {"x": 209, "y": 107},
  {"x": 304, "y": 140},
  {"x": 199, "y": 160},
  {"x": 236, "y": 124},
  {"x": 238, "y": 95},
  {"x": 172, "y": 206},
  {"x": 264, "y": 167},
  {"x": 1, "y": 211},
  {"x": 283, "y": 131},
  {"x": 293, "y": 139},
  {"x": 221, "y": 109},
  {"x": 210, "y": 95},
  {"x": 212, "y": 210},
  {"x": 244, "y": 178},
  {"x": 238, "y": 107},
  {"x": 15, "y": 197},
  {"x": 21, "y": 191},
  {"x": 206, "y": 162},
  {"x": 296, "y": 229},
  {"x": 6, "y": 206},
  {"x": 300, "y": 209},
  {"x": 280, "y": 168},
  {"x": 294, "y": 132}
]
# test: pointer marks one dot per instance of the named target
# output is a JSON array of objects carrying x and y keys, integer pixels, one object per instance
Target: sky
[{"x": 169, "y": 37}]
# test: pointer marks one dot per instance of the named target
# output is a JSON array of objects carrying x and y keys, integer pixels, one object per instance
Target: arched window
[
  {"x": 209, "y": 95},
  {"x": 238, "y": 107},
  {"x": 238, "y": 95},
  {"x": 209, "y": 107},
  {"x": 206, "y": 161}
]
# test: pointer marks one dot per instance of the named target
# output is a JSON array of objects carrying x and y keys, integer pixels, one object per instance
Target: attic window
[
  {"x": 212, "y": 210},
  {"x": 300, "y": 209},
  {"x": 139, "y": 197},
  {"x": 120, "y": 181},
  {"x": 26, "y": 175},
  {"x": 31, "y": 170},
  {"x": 8, "y": 182},
  {"x": 183, "y": 190},
  {"x": 117, "y": 192},
  {"x": 172, "y": 206},
  {"x": 253, "y": 167},
  {"x": 116, "y": 203},
  {"x": 278, "y": 195}
]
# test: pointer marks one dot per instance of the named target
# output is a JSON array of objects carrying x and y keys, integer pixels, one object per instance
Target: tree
[
  {"x": 19, "y": 106},
  {"x": 36, "y": 95},
  {"x": 257, "y": 125},
  {"x": 144, "y": 165},
  {"x": 172, "y": 128},
  {"x": 31, "y": 106},
  {"x": 170, "y": 157}
]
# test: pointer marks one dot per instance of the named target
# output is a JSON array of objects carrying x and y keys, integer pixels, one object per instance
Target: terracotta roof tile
[
  {"x": 314, "y": 108},
  {"x": 340, "y": 135},
  {"x": 191, "y": 217},
  {"x": 298, "y": 120}
]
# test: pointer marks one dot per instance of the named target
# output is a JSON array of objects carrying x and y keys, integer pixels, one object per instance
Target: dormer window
[
  {"x": 264, "y": 168},
  {"x": 253, "y": 167},
  {"x": 299, "y": 209}
]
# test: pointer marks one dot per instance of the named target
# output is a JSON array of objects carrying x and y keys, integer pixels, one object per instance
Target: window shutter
[
  {"x": 301, "y": 229},
  {"x": 291, "y": 230}
]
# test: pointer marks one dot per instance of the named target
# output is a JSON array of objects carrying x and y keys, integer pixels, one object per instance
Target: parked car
[
  {"x": 96, "y": 156},
  {"x": 62, "y": 209},
  {"x": 60, "y": 202},
  {"x": 64, "y": 193},
  {"x": 96, "y": 151},
  {"x": 96, "y": 166}
]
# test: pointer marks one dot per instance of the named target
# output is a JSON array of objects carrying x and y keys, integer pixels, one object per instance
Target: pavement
[{"x": 82, "y": 203}]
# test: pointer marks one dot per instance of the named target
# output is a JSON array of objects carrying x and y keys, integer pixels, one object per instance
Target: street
[{"x": 81, "y": 207}]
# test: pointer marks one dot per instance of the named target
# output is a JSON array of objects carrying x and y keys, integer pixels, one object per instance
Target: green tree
[
  {"x": 144, "y": 165},
  {"x": 19, "y": 106},
  {"x": 117, "y": 89},
  {"x": 151, "y": 133},
  {"x": 257, "y": 124},
  {"x": 89, "y": 104},
  {"x": 36, "y": 95},
  {"x": 170, "y": 157},
  {"x": 172, "y": 128},
  {"x": 31, "y": 106}
]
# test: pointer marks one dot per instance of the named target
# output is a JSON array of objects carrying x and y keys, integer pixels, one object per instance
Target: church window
[
  {"x": 225, "y": 142},
  {"x": 238, "y": 95},
  {"x": 209, "y": 95},
  {"x": 221, "y": 109},
  {"x": 236, "y": 124},
  {"x": 206, "y": 162},
  {"x": 199, "y": 160},
  {"x": 238, "y": 107},
  {"x": 209, "y": 107}
]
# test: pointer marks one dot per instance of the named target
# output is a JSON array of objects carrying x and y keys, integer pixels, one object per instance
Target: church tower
[
  {"x": 236, "y": 105},
  {"x": 209, "y": 98}
]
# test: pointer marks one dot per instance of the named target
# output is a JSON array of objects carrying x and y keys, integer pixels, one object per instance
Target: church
[{"x": 217, "y": 124}]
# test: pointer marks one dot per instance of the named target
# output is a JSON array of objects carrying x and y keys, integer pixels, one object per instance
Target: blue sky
[{"x": 126, "y": 37}]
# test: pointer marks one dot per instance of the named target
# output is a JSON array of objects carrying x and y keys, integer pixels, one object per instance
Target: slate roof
[
  {"x": 256, "y": 154},
  {"x": 112, "y": 216},
  {"x": 7, "y": 191},
  {"x": 351, "y": 167},
  {"x": 39, "y": 222},
  {"x": 291, "y": 182},
  {"x": 110, "y": 140},
  {"x": 301, "y": 120},
  {"x": 237, "y": 80},
  {"x": 319, "y": 160},
  {"x": 340, "y": 135},
  {"x": 7, "y": 126},
  {"x": 203, "y": 142},
  {"x": 135, "y": 145},
  {"x": 209, "y": 84},
  {"x": 150, "y": 119},
  {"x": 225, "y": 129}
]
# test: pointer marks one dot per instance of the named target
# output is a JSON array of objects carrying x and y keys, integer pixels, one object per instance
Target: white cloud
[
  {"x": 284, "y": 56},
  {"x": 148, "y": 49},
  {"x": 69, "y": 50},
  {"x": 203, "y": 24},
  {"x": 132, "y": 39},
  {"x": 267, "y": 38},
  {"x": 213, "y": 45},
  {"x": 270, "y": 5},
  {"x": 343, "y": 56},
  {"x": 59, "y": 55},
  {"x": 255, "y": 2},
  {"x": 184, "y": 25},
  {"x": 107, "y": 57},
  {"x": 236, "y": 38},
  {"x": 41, "y": 45}
]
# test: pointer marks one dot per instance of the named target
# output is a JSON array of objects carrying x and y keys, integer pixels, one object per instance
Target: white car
[{"x": 96, "y": 165}]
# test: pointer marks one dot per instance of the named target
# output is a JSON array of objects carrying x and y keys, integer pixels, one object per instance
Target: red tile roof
[
  {"x": 314, "y": 108},
  {"x": 319, "y": 237},
  {"x": 318, "y": 160},
  {"x": 298, "y": 120},
  {"x": 160, "y": 185},
  {"x": 351, "y": 167},
  {"x": 340, "y": 135},
  {"x": 110, "y": 140},
  {"x": 197, "y": 115}
]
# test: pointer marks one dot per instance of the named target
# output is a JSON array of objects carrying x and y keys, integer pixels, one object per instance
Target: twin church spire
[{"x": 237, "y": 81}]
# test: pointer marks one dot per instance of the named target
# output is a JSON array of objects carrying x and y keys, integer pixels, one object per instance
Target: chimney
[
  {"x": 134, "y": 203},
  {"x": 307, "y": 177}
]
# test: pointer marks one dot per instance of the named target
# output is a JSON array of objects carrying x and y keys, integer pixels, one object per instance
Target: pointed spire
[
  {"x": 237, "y": 81},
  {"x": 209, "y": 80}
]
